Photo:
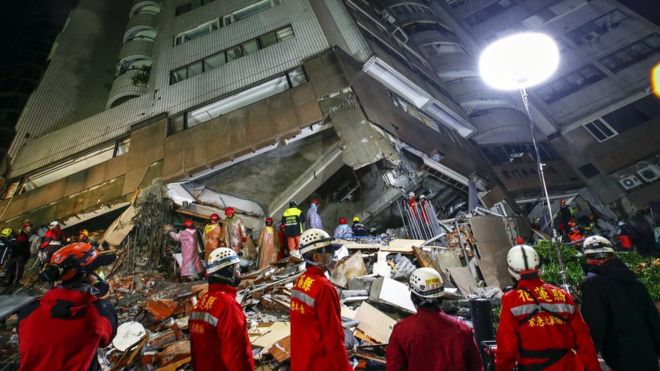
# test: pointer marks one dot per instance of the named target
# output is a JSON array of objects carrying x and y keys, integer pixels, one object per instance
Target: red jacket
[
  {"x": 432, "y": 340},
  {"x": 317, "y": 337},
  {"x": 218, "y": 333},
  {"x": 63, "y": 330},
  {"x": 565, "y": 333},
  {"x": 52, "y": 235}
]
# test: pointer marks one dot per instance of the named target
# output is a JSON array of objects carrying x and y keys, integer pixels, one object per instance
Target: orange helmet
[
  {"x": 229, "y": 212},
  {"x": 73, "y": 259},
  {"x": 188, "y": 223}
]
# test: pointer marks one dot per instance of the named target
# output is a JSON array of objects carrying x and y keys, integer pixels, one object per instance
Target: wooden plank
[
  {"x": 281, "y": 350},
  {"x": 265, "y": 336}
]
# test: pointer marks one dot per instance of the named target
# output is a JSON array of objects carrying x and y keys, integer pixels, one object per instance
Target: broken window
[
  {"x": 633, "y": 53},
  {"x": 593, "y": 29}
]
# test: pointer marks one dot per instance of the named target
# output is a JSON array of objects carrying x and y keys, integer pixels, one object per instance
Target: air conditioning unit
[
  {"x": 629, "y": 182},
  {"x": 649, "y": 173}
]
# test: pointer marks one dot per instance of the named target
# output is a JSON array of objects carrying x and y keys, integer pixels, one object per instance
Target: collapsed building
[{"x": 356, "y": 103}]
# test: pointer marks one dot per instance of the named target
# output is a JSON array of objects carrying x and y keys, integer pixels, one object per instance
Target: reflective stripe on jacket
[
  {"x": 552, "y": 326},
  {"x": 292, "y": 219}
]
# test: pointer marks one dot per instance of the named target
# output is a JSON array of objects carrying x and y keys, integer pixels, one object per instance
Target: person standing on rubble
[
  {"x": 218, "y": 331},
  {"x": 266, "y": 243},
  {"x": 431, "y": 339},
  {"x": 317, "y": 336},
  {"x": 313, "y": 219},
  {"x": 622, "y": 318},
  {"x": 540, "y": 326},
  {"x": 21, "y": 252},
  {"x": 293, "y": 220},
  {"x": 343, "y": 230},
  {"x": 53, "y": 239},
  {"x": 213, "y": 235},
  {"x": 235, "y": 235},
  {"x": 191, "y": 265},
  {"x": 359, "y": 229},
  {"x": 64, "y": 328}
]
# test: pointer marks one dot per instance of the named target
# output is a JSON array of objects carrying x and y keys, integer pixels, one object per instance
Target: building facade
[{"x": 257, "y": 102}]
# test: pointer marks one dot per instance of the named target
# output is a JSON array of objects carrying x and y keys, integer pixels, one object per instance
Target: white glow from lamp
[{"x": 519, "y": 61}]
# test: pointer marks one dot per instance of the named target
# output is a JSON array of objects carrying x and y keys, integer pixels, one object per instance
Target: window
[
  {"x": 507, "y": 153},
  {"x": 591, "y": 30},
  {"x": 489, "y": 12},
  {"x": 246, "y": 97},
  {"x": 142, "y": 33},
  {"x": 589, "y": 170},
  {"x": 147, "y": 8},
  {"x": 228, "y": 19},
  {"x": 201, "y": 30},
  {"x": 633, "y": 114},
  {"x": 570, "y": 83},
  {"x": 249, "y": 11},
  {"x": 233, "y": 53},
  {"x": 185, "y": 8},
  {"x": 422, "y": 26},
  {"x": 600, "y": 129},
  {"x": 632, "y": 53}
]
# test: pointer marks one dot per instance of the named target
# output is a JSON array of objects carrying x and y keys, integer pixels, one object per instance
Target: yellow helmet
[
  {"x": 6, "y": 232},
  {"x": 356, "y": 219},
  {"x": 84, "y": 232}
]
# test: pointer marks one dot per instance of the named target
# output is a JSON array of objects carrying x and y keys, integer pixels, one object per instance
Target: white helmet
[
  {"x": 426, "y": 283},
  {"x": 596, "y": 245},
  {"x": 314, "y": 239},
  {"x": 220, "y": 258},
  {"x": 522, "y": 258},
  {"x": 54, "y": 223}
]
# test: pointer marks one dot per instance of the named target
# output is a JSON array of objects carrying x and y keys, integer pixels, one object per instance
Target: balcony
[
  {"x": 127, "y": 85},
  {"x": 136, "y": 48},
  {"x": 145, "y": 7},
  {"x": 140, "y": 21},
  {"x": 500, "y": 126}
]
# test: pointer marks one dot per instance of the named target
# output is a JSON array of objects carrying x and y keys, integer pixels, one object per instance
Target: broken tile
[{"x": 374, "y": 323}]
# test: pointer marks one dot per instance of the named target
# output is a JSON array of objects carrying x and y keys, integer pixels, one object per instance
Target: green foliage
[
  {"x": 142, "y": 77},
  {"x": 646, "y": 268}
]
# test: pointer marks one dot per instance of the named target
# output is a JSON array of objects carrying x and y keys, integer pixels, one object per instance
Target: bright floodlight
[{"x": 519, "y": 61}]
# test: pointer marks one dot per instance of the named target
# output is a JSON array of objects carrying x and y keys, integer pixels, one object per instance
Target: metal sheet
[
  {"x": 492, "y": 245},
  {"x": 10, "y": 304}
]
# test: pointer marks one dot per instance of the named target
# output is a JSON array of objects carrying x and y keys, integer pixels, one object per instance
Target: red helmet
[
  {"x": 188, "y": 223},
  {"x": 229, "y": 212},
  {"x": 562, "y": 202},
  {"x": 215, "y": 217},
  {"x": 66, "y": 262},
  {"x": 315, "y": 201},
  {"x": 520, "y": 241},
  {"x": 342, "y": 220},
  {"x": 571, "y": 223},
  {"x": 269, "y": 221}
]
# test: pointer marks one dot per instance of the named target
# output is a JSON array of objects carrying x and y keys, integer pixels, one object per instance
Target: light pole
[{"x": 518, "y": 62}]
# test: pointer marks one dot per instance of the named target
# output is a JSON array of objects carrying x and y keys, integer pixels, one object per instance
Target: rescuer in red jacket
[
  {"x": 540, "y": 327},
  {"x": 218, "y": 332},
  {"x": 53, "y": 238},
  {"x": 431, "y": 339},
  {"x": 317, "y": 336},
  {"x": 63, "y": 329}
]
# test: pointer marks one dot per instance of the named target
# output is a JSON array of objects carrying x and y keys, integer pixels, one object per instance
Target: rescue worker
[
  {"x": 540, "y": 326},
  {"x": 218, "y": 329},
  {"x": 7, "y": 247},
  {"x": 431, "y": 339},
  {"x": 359, "y": 229},
  {"x": 343, "y": 230},
  {"x": 21, "y": 252},
  {"x": 282, "y": 242},
  {"x": 293, "y": 220},
  {"x": 64, "y": 328},
  {"x": 564, "y": 215},
  {"x": 213, "y": 235},
  {"x": 53, "y": 239},
  {"x": 266, "y": 243},
  {"x": 317, "y": 336},
  {"x": 191, "y": 265},
  {"x": 313, "y": 219},
  {"x": 624, "y": 322},
  {"x": 624, "y": 234},
  {"x": 235, "y": 235},
  {"x": 83, "y": 235}
]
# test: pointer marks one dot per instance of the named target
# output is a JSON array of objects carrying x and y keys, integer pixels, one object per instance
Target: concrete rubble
[{"x": 153, "y": 310}]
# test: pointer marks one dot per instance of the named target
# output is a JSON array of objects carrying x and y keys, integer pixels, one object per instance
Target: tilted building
[{"x": 255, "y": 103}]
